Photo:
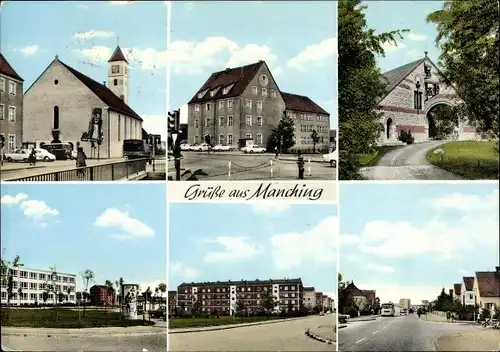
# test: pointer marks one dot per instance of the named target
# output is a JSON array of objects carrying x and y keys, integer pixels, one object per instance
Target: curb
[
  {"x": 318, "y": 338},
  {"x": 342, "y": 326},
  {"x": 72, "y": 335}
]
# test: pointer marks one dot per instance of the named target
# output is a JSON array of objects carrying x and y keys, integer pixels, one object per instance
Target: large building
[
  {"x": 102, "y": 295},
  {"x": 11, "y": 106},
  {"x": 245, "y": 104},
  {"x": 412, "y": 91},
  {"x": 63, "y": 104},
  {"x": 405, "y": 303},
  {"x": 222, "y": 296},
  {"x": 29, "y": 285},
  {"x": 172, "y": 301},
  {"x": 309, "y": 298}
]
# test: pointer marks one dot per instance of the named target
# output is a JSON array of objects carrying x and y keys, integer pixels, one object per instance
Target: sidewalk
[
  {"x": 488, "y": 340},
  {"x": 442, "y": 319},
  {"x": 88, "y": 332},
  {"x": 323, "y": 333}
]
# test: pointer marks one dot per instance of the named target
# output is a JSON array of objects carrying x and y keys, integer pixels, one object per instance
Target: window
[
  {"x": 221, "y": 121},
  {"x": 417, "y": 100},
  {"x": 248, "y": 104},
  {"x": 197, "y": 108},
  {"x": 264, "y": 92},
  {"x": 259, "y": 105},
  {"x": 12, "y": 113},
  {"x": 221, "y": 105},
  {"x": 196, "y": 139},
  {"x": 33, "y": 276},
  {"x": 213, "y": 92},
  {"x": 11, "y": 143},
  {"x": 229, "y": 120},
  {"x": 263, "y": 80},
  {"x": 221, "y": 139},
  {"x": 2, "y": 84},
  {"x": 201, "y": 94},
  {"x": 248, "y": 120},
  {"x": 259, "y": 138},
  {"x": 248, "y": 136},
  {"x": 227, "y": 89},
  {"x": 56, "y": 117},
  {"x": 207, "y": 122},
  {"x": 2, "y": 112},
  {"x": 115, "y": 82},
  {"x": 230, "y": 104},
  {"x": 259, "y": 121},
  {"x": 207, "y": 107},
  {"x": 197, "y": 123},
  {"x": 254, "y": 90},
  {"x": 12, "y": 88},
  {"x": 273, "y": 93}
]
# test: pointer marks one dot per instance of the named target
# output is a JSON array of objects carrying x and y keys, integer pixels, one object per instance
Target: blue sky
[
  {"x": 84, "y": 35},
  {"x": 411, "y": 240},
  {"x": 211, "y": 36},
  {"x": 243, "y": 241},
  {"x": 385, "y": 16},
  {"x": 115, "y": 230}
]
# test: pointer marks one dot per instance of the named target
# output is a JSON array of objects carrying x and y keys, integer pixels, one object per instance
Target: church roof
[
  {"x": 118, "y": 55},
  {"x": 104, "y": 93},
  {"x": 397, "y": 75},
  {"x": 6, "y": 69}
]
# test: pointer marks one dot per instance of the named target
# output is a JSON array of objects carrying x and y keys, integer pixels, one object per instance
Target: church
[{"x": 64, "y": 105}]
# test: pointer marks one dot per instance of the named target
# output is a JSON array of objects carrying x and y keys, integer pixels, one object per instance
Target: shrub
[
  {"x": 352, "y": 312},
  {"x": 406, "y": 137}
]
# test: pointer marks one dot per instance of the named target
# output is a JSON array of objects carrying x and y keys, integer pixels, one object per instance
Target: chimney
[{"x": 104, "y": 83}]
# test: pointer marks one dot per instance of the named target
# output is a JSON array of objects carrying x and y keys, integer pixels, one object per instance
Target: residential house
[
  {"x": 362, "y": 298},
  {"x": 467, "y": 295},
  {"x": 309, "y": 298},
  {"x": 487, "y": 288}
]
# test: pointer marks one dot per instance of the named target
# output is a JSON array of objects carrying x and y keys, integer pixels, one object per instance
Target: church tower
[{"x": 118, "y": 74}]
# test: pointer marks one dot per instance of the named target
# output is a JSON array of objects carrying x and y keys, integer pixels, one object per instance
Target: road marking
[{"x": 364, "y": 338}]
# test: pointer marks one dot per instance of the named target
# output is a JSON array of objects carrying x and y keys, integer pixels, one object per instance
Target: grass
[
  {"x": 176, "y": 323},
  {"x": 64, "y": 318},
  {"x": 472, "y": 160},
  {"x": 372, "y": 159}
]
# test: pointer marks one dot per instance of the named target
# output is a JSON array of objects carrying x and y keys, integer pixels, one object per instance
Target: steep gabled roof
[
  {"x": 118, "y": 55},
  {"x": 370, "y": 294},
  {"x": 302, "y": 103},
  {"x": 351, "y": 290},
  {"x": 457, "y": 288},
  {"x": 469, "y": 283},
  {"x": 104, "y": 93},
  {"x": 488, "y": 283},
  {"x": 239, "y": 77},
  {"x": 6, "y": 69},
  {"x": 397, "y": 75}
]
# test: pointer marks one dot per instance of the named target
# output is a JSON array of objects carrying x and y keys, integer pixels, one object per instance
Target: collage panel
[
  {"x": 418, "y": 90},
  {"x": 83, "y": 267},
  {"x": 250, "y": 100},
  {"x": 252, "y": 277},
  {"x": 83, "y": 98},
  {"x": 421, "y": 272}
]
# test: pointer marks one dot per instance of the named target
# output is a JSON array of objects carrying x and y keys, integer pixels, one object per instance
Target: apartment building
[
  {"x": 11, "y": 105},
  {"x": 221, "y": 297},
  {"x": 29, "y": 285},
  {"x": 309, "y": 298},
  {"x": 319, "y": 300},
  {"x": 245, "y": 104}
]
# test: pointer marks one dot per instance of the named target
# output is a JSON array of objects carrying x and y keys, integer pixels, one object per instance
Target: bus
[
  {"x": 136, "y": 149},
  {"x": 388, "y": 309}
]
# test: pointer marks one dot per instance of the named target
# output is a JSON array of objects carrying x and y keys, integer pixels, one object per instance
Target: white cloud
[
  {"x": 251, "y": 53},
  {"x": 30, "y": 50},
  {"x": 9, "y": 200},
  {"x": 129, "y": 226},
  {"x": 152, "y": 285},
  {"x": 317, "y": 54},
  {"x": 37, "y": 209},
  {"x": 270, "y": 207},
  {"x": 393, "y": 293},
  {"x": 417, "y": 37},
  {"x": 381, "y": 268},
  {"x": 93, "y": 34},
  {"x": 184, "y": 272},
  {"x": 314, "y": 246},
  {"x": 390, "y": 47},
  {"x": 97, "y": 53},
  {"x": 465, "y": 202},
  {"x": 155, "y": 124},
  {"x": 276, "y": 71},
  {"x": 235, "y": 248}
]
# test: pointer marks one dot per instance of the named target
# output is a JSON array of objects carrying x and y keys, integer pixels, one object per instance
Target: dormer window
[
  {"x": 207, "y": 106},
  {"x": 202, "y": 94},
  {"x": 213, "y": 92},
  {"x": 227, "y": 89}
]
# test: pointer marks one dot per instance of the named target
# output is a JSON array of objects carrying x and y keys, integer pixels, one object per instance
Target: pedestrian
[
  {"x": 32, "y": 157},
  {"x": 81, "y": 162},
  {"x": 276, "y": 152}
]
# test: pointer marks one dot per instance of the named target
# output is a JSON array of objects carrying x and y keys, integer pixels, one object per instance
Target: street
[
  {"x": 399, "y": 333},
  {"x": 251, "y": 166},
  {"x": 408, "y": 163},
  {"x": 281, "y": 336}
]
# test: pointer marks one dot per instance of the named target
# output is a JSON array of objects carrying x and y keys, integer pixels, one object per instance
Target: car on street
[
  {"x": 331, "y": 158},
  {"x": 253, "y": 149},
  {"x": 158, "y": 313},
  {"x": 343, "y": 318},
  {"x": 222, "y": 148},
  {"x": 203, "y": 147},
  {"x": 18, "y": 155},
  {"x": 44, "y": 155},
  {"x": 185, "y": 147},
  {"x": 403, "y": 311}
]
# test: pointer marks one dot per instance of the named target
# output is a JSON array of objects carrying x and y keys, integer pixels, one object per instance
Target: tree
[
  {"x": 88, "y": 277},
  {"x": 467, "y": 34},
  {"x": 361, "y": 85},
  {"x": 7, "y": 271},
  {"x": 68, "y": 291},
  {"x": 240, "y": 307},
  {"x": 45, "y": 296},
  {"x": 268, "y": 302},
  {"x": 315, "y": 139},
  {"x": 78, "y": 296},
  {"x": 163, "y": 288},
  {"x": 442, "y": 121},
  {"x": 283, "y": 136},
  {"x": 109, "y": 292},
  {"x": 147, "y": 296},
  {"x": 60, "y": 297},
  {"x": 341, "y": 297}
]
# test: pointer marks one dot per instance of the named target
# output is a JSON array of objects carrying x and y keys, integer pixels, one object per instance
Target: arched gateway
[{"x": 413, "y": 91}]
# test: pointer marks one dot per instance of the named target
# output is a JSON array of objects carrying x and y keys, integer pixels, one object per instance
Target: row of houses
[
  {"x": 221, "y": 297},
  {"x": 482, "y": 289},
  {"x": 362, "y": 298},
  {"x": 61, "y": 105}
]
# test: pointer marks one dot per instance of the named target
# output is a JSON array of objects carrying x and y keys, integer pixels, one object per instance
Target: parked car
[
  {"x": 343, "y": 318},
  {"x": 403, "y": 311},
  {"x": 18, "y": 155},
  {"x": 62, "y": 151},
  {"x": 44, "y": 155},
  {"x": 253, "y": 149},
  {"x": 222, "y": 148},
  {"x": 203, "y": 147},
  {"x": 185, "y": 147},
  {"x": 331, "y": 158}
]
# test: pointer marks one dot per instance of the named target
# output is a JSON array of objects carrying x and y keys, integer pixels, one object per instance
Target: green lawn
[
  {"x": 371, "y": 159},
  {"x": 473, "y": 160},
  {"x": 68, "y": 318},
  {"x": 175, "y": 323}
]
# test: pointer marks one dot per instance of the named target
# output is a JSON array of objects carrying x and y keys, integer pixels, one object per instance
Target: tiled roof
[
  {"x": 240, "y": 77},
  {"x": 351, "y": 290},
  {"x": 104, "y": 93},
  {"x": 457, "y": 288},
  {"x": 244, "y": 282},
  {"x": 6, "y": 69},
  {"x": 118, "y": 55},
  {"x": 397, "y": 75},
  {"x": 370, "y": 294},
  {"x": 488, "y": 283},
  {"x": 302, "y": 103},
  {"x": 310, "y": 289},
  {"x": 469, "y": 283}
]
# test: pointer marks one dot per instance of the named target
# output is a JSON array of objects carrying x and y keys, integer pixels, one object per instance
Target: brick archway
[{"x": 436, "y": 101}]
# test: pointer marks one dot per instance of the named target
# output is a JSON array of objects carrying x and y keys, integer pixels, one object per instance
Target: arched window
[
  {"x": 115, "y": 82},
  {"x": 56, "y": 117}
]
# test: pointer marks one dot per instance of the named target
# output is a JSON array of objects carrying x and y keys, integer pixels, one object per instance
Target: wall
[{"x": 7, "y": 127}]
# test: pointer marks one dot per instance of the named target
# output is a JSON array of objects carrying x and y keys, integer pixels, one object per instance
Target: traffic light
[{"x": 2, "y": 141}]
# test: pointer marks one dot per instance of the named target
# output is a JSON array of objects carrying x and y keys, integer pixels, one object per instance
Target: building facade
[
  {"x": 172, "y": 301},
  {"x": 245, "y": 104},
  {"x": 309, "y": 298},
  {"x": 405, "y": 303},
  {"x": 60, "y": 106},
  {"x": 11, "y": 106},
  {"x": 413, "y": 90},
  {"x": 467, "y": 295},
  {"x": 30, "y": 284},
  {"x": 101, "y": 295},
  {"x": 222, "y": 297},
  {"x": 487, "y": 289}
]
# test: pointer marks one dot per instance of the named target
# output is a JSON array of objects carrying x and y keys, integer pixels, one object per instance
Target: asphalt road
[
  {"x": 250, "y": 167},
  {"x": 408, "y": 163},
  {"x": 282, "y": 336},
  {"x": 399, "y": 333}
]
